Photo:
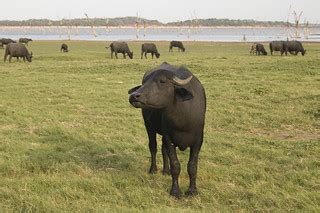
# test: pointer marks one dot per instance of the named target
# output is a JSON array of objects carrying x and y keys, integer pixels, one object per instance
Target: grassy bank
[{"x": 69, "y": 139}]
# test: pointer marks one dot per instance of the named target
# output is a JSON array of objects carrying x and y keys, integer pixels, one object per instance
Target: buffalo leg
[
  {"x": 174, "y": 168},
  {"x": 116, "y": 54},
  {"x": 153, "y": 150},
  {"x": 111, "y": 54},
  {"x": 192, "y": 169},
  {"x": 10, "y": 58},
  {"x": 141, "y": 55},
  {"x": 152, "y": 55},
  {"x": 165, "y": 157},
  {"x": 145, "y": 55},
  {"x": 24, "y": 59},
  {"x": 124, "y": 55}
]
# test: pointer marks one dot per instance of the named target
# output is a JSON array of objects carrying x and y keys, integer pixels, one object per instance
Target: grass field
[{"x": 69, "y": 139}]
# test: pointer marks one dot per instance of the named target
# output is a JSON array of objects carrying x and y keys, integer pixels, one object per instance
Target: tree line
[{"x": 133, "y": 21}]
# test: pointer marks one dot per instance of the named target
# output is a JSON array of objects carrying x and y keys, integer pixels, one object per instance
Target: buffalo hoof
[
  {"x": 166, "y": 172},
  {"x": 153, "y": 170},
  {"x": 175, "y": 193},
  {"x": 192, "y": 192}
]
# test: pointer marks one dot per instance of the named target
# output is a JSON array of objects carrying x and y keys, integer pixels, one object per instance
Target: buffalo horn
[{"x": 182, "y": 81}]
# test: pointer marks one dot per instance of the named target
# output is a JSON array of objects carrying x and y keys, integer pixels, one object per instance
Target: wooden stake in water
[
  {"x": 61, "y": 23},
  {"x": 49, "y": 26},
  {"x": 306, "y": 29},
  {"x": 144, "y": 28},
  {"x": 137, "y": 26},
  {"x": 288, "y": 24},
  {"x": 91, "y": 24},
  {"x": 297, "y": 22},
  {"x": 107, "y": 25}
]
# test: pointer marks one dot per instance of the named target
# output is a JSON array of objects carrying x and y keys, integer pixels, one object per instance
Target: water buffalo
[
  {"x": 25, "y": 40},
  {"x": 120, "y": 47},
  {"x": 6, "y": 41},
  {"x": 173, "y": 103},
  {"x": 294, "y": 47},
  {"x": 277, "y": 46},
  {"x": 176, "y": 44},
  {"x": 17, "y": 50},
  {"x": 149, "y": 48},
  {"x": 260, "y": 49},
  {"x": 253, "y": 49},
  {"x": 64, "y": 48}
]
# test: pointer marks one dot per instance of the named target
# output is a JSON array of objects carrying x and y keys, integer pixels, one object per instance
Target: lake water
[{"x": 218, "y": 34}]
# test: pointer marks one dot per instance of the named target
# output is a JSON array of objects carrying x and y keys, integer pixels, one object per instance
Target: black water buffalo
[
  {"x": 176, "y": 44},
  {"x": 260, "y": 49},
  {"x": 25, "y": 40},
  {"x": 277, "y": 46},
  {"x": 294, "y": 47},
  {"x": 173, "y": 103},
  {"x": 64, "y": 48},
  {"x": 17, "y": 50},
  {"x": 149, "y": 48},
  {"x": 120, "y": 47},
  {"x": 6, "y": 41}
]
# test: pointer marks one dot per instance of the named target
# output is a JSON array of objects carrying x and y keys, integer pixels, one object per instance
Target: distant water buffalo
[
  {"x": 173, "y": 103},
  {"x": 294, "y": 47},
  {"x": 277, "y": 46},
  {"x": 64, "y": 48},
  {"x": 25, "y": 40},
  {"x": 253, "y": 49},
  {"x": 120, "y": 47},
  {"x": 17, "y": 50},
  {"x": 176, "y": 44},
  {"x": 6, "y": 41},
  {"x": 260, "y": 49},
  {"x": 149, "y": 48}
]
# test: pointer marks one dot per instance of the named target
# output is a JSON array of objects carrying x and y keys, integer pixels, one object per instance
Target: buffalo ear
[
  {"x": 133, "y": 89},
  {"x": 181, "y": 94}
]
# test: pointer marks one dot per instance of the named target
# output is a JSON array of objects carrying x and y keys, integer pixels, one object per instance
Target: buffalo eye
[{"x": 162, "y": 81}]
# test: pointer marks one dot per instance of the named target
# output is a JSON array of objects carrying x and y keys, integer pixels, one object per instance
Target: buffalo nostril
[{"x": 136, "y": 96}]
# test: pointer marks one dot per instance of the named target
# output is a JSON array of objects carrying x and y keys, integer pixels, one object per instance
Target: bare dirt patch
[{"x": 287, "y": 134}]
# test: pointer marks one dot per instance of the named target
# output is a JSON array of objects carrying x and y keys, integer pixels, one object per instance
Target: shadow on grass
[{"x": 60, "y": 150}]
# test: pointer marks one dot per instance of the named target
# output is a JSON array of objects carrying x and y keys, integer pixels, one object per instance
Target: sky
[{"x": 162, "y": 10}]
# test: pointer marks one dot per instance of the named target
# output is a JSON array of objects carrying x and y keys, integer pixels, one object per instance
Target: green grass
[{"x": 69, "y": 139}]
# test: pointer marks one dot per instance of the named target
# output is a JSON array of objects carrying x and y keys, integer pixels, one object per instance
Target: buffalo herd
[
  {"x": 293, "y": 47},
  {"x": 116, "y": 47}
]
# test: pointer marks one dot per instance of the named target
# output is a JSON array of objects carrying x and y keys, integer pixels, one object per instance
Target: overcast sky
[{"x": 162, "y": 10}]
